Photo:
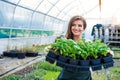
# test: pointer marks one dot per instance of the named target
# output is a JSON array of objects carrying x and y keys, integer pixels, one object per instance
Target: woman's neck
[{"x": 77, "y": 38}]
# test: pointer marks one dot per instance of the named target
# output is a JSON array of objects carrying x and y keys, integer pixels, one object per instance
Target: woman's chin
[{"x": 77, "y": 34}]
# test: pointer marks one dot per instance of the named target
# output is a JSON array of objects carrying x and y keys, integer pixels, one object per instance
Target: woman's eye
[
  {"x": 73, "y": 24},
  {"x": 80, "y": 25}
]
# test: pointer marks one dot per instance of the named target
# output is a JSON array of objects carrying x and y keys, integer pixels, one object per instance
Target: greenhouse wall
[{"x": 21, "y": 25}]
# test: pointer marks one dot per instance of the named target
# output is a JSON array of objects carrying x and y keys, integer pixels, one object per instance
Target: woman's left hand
[{"x": 111, "y": 52}]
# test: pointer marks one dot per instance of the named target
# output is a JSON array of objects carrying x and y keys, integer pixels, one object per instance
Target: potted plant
[
  {"x": 13, "y": 52},
  {"x": 107, "y": 59},
  {"x": 61, "y": 51},
  {"x": 10, "y": 53},
  {"x": 51, "y": 56},
  {"x": 69, "y": 54},
  {"x": 52, "y": 51},
  {"x": 84, "y": 56},
  {"x": 61, "y": 48},
  {"x": 21, "y": 53},
  {"x": 31, "y": 51},
  {"x": 79, "y": 56},
  {"x": 95, "y": 55},
  {"x": 6, "y": 52}
]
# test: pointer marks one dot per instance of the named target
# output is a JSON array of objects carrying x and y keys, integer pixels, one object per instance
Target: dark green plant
[
  {"x": 41, "y": 48},
  {"x": 36, "y": 74},
  {"x": 48, "y": 66},
  {"x": 77, "y": 50},
  {"x": 117, "y": 70},
  {"x": 8, "y": 48},
  {"x": 30, "y": 48},
  {"x": 49, "y": 75},
  {"x": 98, "y": 49},
  {"x": 12, "y": 77},
  {"x": 102, "y": 48},
  {"x": 67, "y": 48},
  {"x": 42, "y": 71},
  {"x": 95, "y": 47}
]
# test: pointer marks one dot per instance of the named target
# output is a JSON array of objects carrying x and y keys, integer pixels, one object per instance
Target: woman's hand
[
  {"x": 47, "y": 48},
  {"x": 111, "y": 52}
]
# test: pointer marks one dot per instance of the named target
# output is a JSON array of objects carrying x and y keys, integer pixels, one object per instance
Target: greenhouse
[{"x": 36, "y": 34}]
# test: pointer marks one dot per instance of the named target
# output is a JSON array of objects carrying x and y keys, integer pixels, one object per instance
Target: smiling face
[{"x": 77, "y": 28}]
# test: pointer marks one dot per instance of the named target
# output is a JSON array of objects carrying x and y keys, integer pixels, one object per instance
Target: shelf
[
  {"x": 113, "y": 41},
  {"x": 114, "y": 37},
  {"x": 113, "y": 34}
]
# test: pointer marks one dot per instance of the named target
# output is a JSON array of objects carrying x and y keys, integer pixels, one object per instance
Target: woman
[{"x": 76, "y": 26}]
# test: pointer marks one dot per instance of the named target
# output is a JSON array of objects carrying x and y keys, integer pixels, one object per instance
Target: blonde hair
[{"x": 69, "y": 34}]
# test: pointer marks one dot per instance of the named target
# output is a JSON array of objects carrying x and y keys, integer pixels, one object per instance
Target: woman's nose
[{"x": 76, "y": 27}]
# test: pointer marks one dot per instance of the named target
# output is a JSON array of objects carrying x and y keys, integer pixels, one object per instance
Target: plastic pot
[{"x": 50, "y": 60}]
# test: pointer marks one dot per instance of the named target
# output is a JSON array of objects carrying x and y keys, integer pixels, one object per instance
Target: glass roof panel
[
  {"x": 13, "y": 1},
  {"x": 61, "y": 15},
  {"x": 22, "y": 18},
  {"x": 32, "y": 4},
  {"x": 93, "y": 13},
  {"x": 54, "y": 12},
  {"x": 116, "y": 18},
  {"x": 67, "y": 10},
  {"x": 88, "y": 4},
  {"x": 108, "y": 9},
  {"x": 63, "y": 3},
  {"x": 6, "y": 14},
  {"x": 45, "y": 6},
  {"x": 64, "y": 9},
  {"x": 53, "y": 1}
]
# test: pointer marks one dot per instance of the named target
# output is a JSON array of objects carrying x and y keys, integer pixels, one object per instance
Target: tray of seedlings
[{"x": 80, "y": 56}]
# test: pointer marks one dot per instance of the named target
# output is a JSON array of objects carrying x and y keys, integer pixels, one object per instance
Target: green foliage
[
  {"x": 49, "y": 33},
  {"x": 51, "y": 75},
  {"x": 28, "y": 48},
  {"x": 76, "y": 50},
  {"x": 43, "y": 71},
  {"x": 41, "y": 48},
  {"x": 116, "y": 55},
  {"x": 114, "y": 74},
  {"x": 36, "y": 74},
  {"x": 48, "y": 66},
  {"x": 116, "y": 70},
  {"x": 8, "y": 48},
  {"x": 102, "y": 48},
  {"x": 85, "y": 49},
  {"x": 12, "y": 77},
  {"x": 4, "y": 32},
  {"x": 99, "y": 76},
  {"x": 116, "y": 48},
  {"x": 68, "y": 48}
]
